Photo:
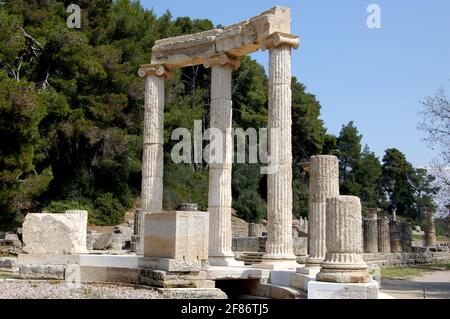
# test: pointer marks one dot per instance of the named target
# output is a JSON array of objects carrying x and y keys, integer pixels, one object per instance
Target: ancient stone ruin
[{"x": 324, "y": 256}]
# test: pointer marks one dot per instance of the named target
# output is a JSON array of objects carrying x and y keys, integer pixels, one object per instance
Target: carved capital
[
  {"x": 222, "y": 59},
  {"x": 154, "y": 70},
  {"x": 279, "y": 38}
]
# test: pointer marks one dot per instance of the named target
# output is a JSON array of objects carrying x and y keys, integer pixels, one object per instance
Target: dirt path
[{"x": 431, "y": 285}]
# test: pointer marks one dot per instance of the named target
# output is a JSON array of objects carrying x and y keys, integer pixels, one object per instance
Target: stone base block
[
  {"x": 192, "y": 293},
  {"x": 225, "y": 261},
  {"x": 163, "y": 279},
  {"x": 281, "y": 277},
  {"x": 272, "y": 291},
  {"x": 48, "y": 259},
  {"x": 303, "y": 276},
  {"x": 172, "y": 265},
  {"x": 278, "y": 264},
  {"x": 42, "y": 271},
  {"x": 9, "y": 264},
  {"x": 328, "y": 290}
]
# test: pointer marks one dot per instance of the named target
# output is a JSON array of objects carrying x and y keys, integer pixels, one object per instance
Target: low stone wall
[
  {"x": 404, "y": 259},
  {"x": 245, "y": 244}
]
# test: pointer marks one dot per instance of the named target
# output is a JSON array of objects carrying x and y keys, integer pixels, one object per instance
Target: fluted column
[
  {"x": 371, "y": 232},
  {"x": 343, "y": 262},
  {"x": 279, "y": 247},
  {"x": 430, "y": 230},
  {"x": 153, "y": 153},
  {"x": 323, "y": 183},
  {"x": 406, "y": 237},
  {"x": 219, "y": 194},
  {"x": 384, "y": 241}
]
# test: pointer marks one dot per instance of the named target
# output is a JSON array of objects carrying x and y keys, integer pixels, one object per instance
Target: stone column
[
  {"x": 430, "y": 230},
  {"x": 371, "y": 232},
  {"x": 344, "y": 262},
  {"x": 254, "y": 230},
  {"x": 153, "y": 153},
  {"x": 82, "y": 242},
  {"x": 384, "y": 241},
  {"x": 323, "y": 183},
  {"x": 219, "y": 195},
  {"x": 279, "y": 247},
  {"x": 406, "y": 237},
  {"x": 395, "y": 236}
]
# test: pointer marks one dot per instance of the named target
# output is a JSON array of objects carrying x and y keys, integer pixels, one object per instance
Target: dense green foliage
[{"x": 71, "y": 111}]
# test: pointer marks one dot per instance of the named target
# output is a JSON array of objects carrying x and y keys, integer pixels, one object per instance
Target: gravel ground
[{"x": 23, "y": 289}]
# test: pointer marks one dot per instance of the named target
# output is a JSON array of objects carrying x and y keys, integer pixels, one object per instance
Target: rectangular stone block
[
  {"x": 53, "y": 234},
  {"x": 48, "y": 259},
  {"x": 328, "y": 290},
  {"x": 179, "y": 235},
  {"x": 42, "y": 271}
]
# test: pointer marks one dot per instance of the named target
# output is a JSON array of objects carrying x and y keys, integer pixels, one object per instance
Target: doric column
[
  {"x": 219, "y": 195},
  {"x": 344, "y": 262},
  {"x": 371, "y": 232},
  {"x": 153, "y": 153},
  {"x": 279, "y": 249},
  {"x": 406, "y": 237},
  {"x": 384, "y": 241},
  {"x": 395, "y": 236},
  {"x": 430, "y": 229},
  {"x": 323, "y": 183}
]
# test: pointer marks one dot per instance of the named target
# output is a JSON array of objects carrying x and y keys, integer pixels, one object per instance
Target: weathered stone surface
[
  {"x": 42, "y": 271},
  {"x": 300, "y": 245},
  {"x": 83, "y": 215},
  {"x": 104, "y": 242},
  {"x": 326, "y": 290},
  {"x": 235, "y": 40},
  {"x": 279, "y": 247},
  {"x": 430, "y": 231},
  {"x": 384, "y": 241},
  {"x": 52, "y": 234},
  {"x": 177, "y": 235},
  {"x": 343, "y": 262},
  {"x": 192, "y": 293},
  {"x": 8, "y": 264},
  {"x": 395, "y": 236},
  {"x": 406, "y": 237},
  {"x": 323, "y": 183}
]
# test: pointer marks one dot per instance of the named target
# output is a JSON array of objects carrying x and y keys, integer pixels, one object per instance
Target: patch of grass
[
  {"x": 442, "y": 238},
  {"x": 4, "y": 275},
  {"x": 402, "y": 272},
  {"x": 88, "y": 293},
  {"x": 418, "y": 237},
  {"x": 444, "y": 266}
]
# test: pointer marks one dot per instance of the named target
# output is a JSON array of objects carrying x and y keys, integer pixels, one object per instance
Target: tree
[
  {"x": 395, "y": 181},
  {"x": 366, "y": 175},
  {"x": 348, "y": 149},
  {"x": 424, "y": 191},
  {"x": 435, "y": 122}
]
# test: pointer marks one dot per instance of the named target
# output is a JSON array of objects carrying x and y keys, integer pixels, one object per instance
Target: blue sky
[{"x": 375, "y": 77}]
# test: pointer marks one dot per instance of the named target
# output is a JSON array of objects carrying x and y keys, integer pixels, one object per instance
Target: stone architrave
[
  {"x": 430, "y": 230},
  {"x": 323, "y": 183},
  {"x": 52, "y": 234},
  {"x": 83, "y": 228},
  {"x": 279, "y": 247},
  {"x": 371, "y": 232},
  {"x": 384, "y": 241},
  {"x": 219, "y": 195},
  {"x": 153, "y": 152},
  {"x": 344, "y": 262}
]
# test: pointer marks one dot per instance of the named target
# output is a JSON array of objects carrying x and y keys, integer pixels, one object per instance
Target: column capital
[
  {"x": 222, "y": 59},
  {"x": 154, "y": 70},
  {"x": 279, "y": 38}
]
